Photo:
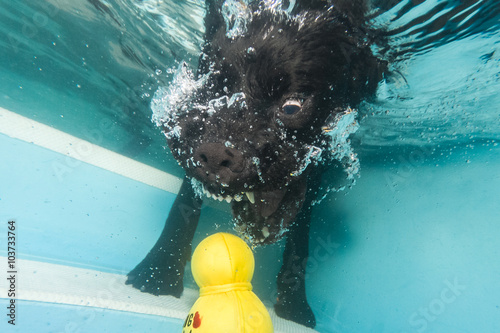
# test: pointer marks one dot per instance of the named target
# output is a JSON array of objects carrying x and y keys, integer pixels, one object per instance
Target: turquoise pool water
[{"x": 412, "y": 247}]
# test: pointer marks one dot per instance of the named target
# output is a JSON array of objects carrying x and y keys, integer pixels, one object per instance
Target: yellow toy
[{"x": 223, "y": 266}]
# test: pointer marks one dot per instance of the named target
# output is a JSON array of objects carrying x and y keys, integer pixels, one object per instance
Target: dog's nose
[{"x": 218, "y": 164}]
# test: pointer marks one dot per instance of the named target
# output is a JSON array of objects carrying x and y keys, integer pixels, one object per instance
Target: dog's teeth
[
  {"x": 265, "y": 232},
  {"x": 220, "y": 198},
  {"x": 250, "y": 197},
  {"x": 214, "y": 196},
  {"x": 238, "y": 197},
  {"x": 229, "y": 199}
]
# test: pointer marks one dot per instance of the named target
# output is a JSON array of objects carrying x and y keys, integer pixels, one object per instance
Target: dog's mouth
[
  {"x": 263, "y": 216},
  {"x": 229, "y": 197}
]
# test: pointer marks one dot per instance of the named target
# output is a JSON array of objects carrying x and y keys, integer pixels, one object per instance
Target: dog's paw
[
  {"x": 295, "y": 308},
  {"x": 158, "y": 276}
]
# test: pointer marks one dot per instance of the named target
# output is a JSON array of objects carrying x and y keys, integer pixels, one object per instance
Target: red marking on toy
[{"x": 196, "y": 320}]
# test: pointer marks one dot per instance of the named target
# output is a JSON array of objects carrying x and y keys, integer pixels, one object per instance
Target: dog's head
[{"x": 251, "y": 124}]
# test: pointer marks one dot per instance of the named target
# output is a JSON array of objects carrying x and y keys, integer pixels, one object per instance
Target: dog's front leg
[
  {"x": 161, "y": 271},
  {"x": 292, "y": 301}
]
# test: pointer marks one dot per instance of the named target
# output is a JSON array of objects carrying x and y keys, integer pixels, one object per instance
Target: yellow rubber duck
[{"x": 223, "y": 267}]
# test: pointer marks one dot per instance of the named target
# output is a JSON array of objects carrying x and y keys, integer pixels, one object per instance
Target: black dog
[{"x": 251, "y": 127}]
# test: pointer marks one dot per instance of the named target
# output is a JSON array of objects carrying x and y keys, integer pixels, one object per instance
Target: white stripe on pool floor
[
  {"x": 52, "y": 283},
  {"x": 28, "y": 130}
]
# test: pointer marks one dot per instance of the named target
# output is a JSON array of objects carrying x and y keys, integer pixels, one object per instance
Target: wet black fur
[{"x": 326, "y": 63}]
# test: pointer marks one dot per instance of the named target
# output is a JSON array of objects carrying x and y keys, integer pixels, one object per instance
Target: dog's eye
[{"x": 292, "y": 106}]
